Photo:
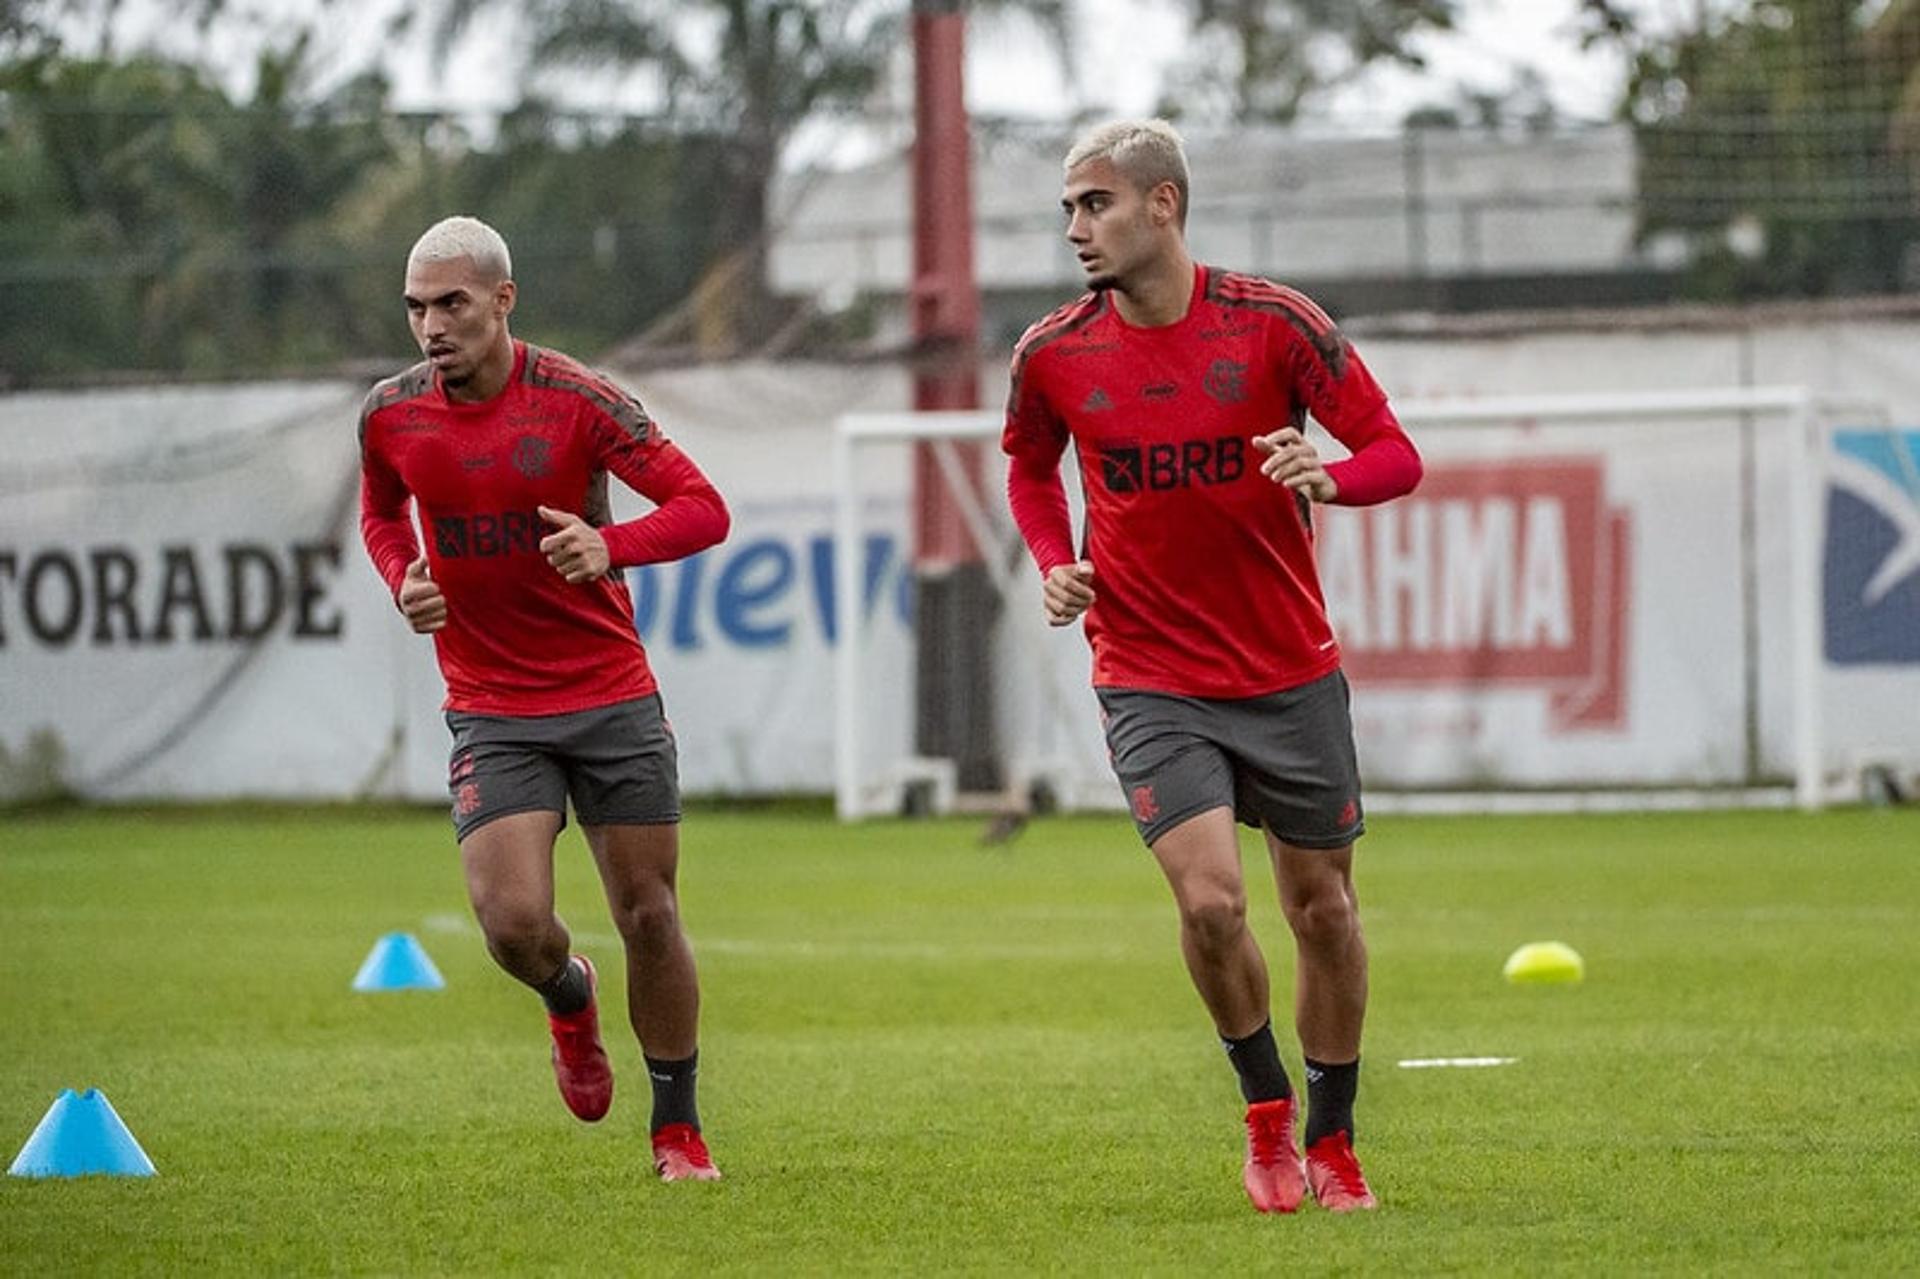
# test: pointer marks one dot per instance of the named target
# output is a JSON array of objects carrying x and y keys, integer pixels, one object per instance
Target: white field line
[{"x": 1430, "y": 1063}]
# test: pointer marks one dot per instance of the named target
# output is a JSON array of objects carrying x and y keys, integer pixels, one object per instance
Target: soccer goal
[
  {"x": 1043, "y": 704},
  {"x": 1683, "y": 598}
]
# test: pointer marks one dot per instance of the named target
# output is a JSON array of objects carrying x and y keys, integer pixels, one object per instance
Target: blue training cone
[
  {"x": 80, "y": 1135},
  {"x": 397, "y": 962}
]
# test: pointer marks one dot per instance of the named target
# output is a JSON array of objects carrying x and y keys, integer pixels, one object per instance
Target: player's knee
[
  {"x": 513, "y": 930},
  {"x": 1328, "y": 919},
  {"x": 647, "y": 918},
  {"x": 1215, "y": 921}
]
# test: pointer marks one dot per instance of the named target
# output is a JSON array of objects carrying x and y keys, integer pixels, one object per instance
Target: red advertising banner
[{"x": 1511, "y": 574}]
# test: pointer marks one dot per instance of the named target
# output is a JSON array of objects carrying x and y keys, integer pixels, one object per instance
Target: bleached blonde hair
[
  {"x": 464, "y": 237},
  {"x": 1147, "y": 153}
]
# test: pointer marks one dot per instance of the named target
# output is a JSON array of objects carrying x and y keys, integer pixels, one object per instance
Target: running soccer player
[
  {"x": 504, "y": 450},
  {"x": 1184, "y": 390}
]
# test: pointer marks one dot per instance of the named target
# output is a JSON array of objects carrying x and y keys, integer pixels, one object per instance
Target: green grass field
[{"x": 924, "y": 1054}]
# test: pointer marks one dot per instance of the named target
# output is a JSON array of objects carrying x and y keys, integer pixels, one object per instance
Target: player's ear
[
  {"x": 504, "y": 296},
  {"x": 1164, "y": 202}
]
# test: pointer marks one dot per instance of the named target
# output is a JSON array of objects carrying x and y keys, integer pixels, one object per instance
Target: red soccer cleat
[
  {"x": 679, "y": 1154},
  {"x": 580, "y": 1064},
  {"x": 1335, "y": 1176},
  {"x": 1272, "y": 1173}
]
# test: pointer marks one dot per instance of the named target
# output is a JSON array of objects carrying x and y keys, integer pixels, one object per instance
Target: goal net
[{"x": 1606, "y": 600}]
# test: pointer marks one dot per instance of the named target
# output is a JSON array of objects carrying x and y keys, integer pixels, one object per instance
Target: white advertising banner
[
  {"x": 1558, "y": 606},
  {"x": 179, "y": 615},
  {"x": 186, "y": 611}
]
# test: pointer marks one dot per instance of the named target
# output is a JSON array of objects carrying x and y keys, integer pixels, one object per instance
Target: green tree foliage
[
  {"x": 611, "y": 221},
  {"x": 1893, "y": 44},
  {"x": 747, "y": 71},
  {"x": 1769, "y": 140},
  {"x": 96, "y": 155},
  {"x": 156, "y": 220},
  {"x": 148, "y": 222},
  {"x": 1263, "y": 60}
]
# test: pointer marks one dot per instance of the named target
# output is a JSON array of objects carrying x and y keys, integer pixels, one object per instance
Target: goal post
[
  {"x": 862, "y": 787},
  {"x": 1614, "y": 599},
  {"x": 1794, "y": 412}
]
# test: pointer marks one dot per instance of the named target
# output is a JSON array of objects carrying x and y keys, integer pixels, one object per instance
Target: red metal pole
[
  {"x": 944, "y": 298},
  {"x": 955, "y": 598}
]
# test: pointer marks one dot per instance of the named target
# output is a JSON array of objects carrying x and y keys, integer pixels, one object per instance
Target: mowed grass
[{"x": 922, "y": 1054}]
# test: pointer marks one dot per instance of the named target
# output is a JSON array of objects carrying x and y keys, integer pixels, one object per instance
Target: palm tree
[
  {"x": 746, "y": 73},
  {"x": 195, "y": 211}
]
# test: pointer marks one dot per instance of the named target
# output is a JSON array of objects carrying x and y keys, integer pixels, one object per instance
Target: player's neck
[
  {"x": 489, "y": 378},
  {"x": 1160, "y": 293}
]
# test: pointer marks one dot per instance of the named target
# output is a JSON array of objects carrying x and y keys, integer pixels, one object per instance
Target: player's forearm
[
  {"x": 1384, "y": 464},
  {"x": 1038, "y": 500},
  {"x": 685, "y": 524},
  {"x": 388, "y": 533},
  {"x": 689, "y": 515}
]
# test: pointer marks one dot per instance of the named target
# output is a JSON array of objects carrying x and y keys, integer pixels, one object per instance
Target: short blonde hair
[
  {"x": 1147, "y": 153},
  {"x": 464, "y": 237}
]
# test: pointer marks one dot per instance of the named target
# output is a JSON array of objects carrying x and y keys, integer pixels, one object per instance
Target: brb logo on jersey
[
  {"x": 485, "y": 536},
  {"x": 1136, "y": 468},
  {"x": 1872, "y": 573}
]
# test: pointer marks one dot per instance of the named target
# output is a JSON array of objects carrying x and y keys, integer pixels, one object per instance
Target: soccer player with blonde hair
[
  {"x": 1185, "y": 390},
  {"x": 503, "y": 449}
]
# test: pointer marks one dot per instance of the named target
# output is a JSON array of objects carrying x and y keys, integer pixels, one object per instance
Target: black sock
[
  {"x": 567, "y": 991},
  {"x": 1330, "y": 1091},
  {"x": 1257, "y": 1061},
  {"x": 673, "y": 1091}
]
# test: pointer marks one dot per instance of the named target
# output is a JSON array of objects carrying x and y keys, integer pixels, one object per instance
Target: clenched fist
[
  {"x": 420, "y": 600},
  {"x": 574, "y": 548},
  {"x": 1068, "y": 592}
]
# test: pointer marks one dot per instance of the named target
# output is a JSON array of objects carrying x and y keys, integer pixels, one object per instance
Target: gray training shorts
[
  {"x": 1284, "y": 761},
  {"x": 618, "y": 763}
]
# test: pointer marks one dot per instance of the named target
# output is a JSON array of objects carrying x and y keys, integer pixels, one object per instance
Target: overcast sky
[{"x": 1123, "y": 47}]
